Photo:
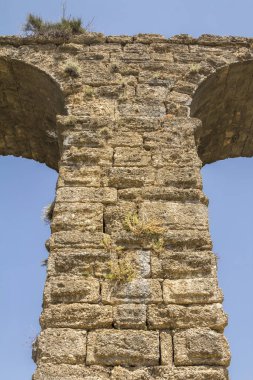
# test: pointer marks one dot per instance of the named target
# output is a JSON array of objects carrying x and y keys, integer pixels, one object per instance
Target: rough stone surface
[{"x": 131, "y": 290}]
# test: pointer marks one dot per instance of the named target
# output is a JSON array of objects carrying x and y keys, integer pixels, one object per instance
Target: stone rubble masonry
[{"x": 128, "y": 135}]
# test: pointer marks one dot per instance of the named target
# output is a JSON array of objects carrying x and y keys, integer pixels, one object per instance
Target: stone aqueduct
[{"x": 129, "y": 135}]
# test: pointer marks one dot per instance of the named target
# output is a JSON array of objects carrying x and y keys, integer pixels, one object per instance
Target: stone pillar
[{"x": 132, "y": 288}]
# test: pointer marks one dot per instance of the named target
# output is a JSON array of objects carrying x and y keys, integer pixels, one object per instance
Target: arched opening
[
  {"x": 30, "y": 100},
  {"x": 224, "y": 104}
]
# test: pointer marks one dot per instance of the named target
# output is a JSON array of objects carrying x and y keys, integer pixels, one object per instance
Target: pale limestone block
[
  {"x": 200, "y": 373},
  {"x": 86, "y": 194},
  {"x": 75, "y": 239},
  {"x": 186, "y": 177},
  {"x": 88, "y": 176},
  {"x": 130, "y": 316},
  {"x": 131, "y": 157},
  {"x": 176, "y": 215},
  {"x": 115, "y": 347},
  {"x": 61, "y": 346},
  {"x": 137, "y": 291},
  {"x": 151, "y": 92},
  {"x": 183, "y": 264},
  {"x": 85, "y": 262},
  {"x": 140, "y": 261},
  {"x": 182, "y": 317},
  {"x": 199, "y": 347},
  {"x": 166, "y": 347},
  {"x": 88, "y": 156},
  {"x": 80, "y": 216},
  {"x": 127, "y": 177},
  {"x": 73, "y": 289},
  {"x": 192, "y": 291},
  {"x": 175, "y": 157},
  {"x": 47, "y": 371},
  {"x": 81, "y": 316}
]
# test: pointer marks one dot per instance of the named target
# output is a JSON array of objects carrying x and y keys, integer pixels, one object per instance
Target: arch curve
[
  {"x": 29, "y": 101},
  {"x": 224, "y": 104}
]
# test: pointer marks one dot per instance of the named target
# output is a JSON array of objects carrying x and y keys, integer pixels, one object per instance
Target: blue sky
[{"x": 26, "y": 186}]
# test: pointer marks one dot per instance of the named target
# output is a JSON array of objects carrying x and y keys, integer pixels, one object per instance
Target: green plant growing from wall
[
  {"x": 64, "y": 28},
  {"x": 121, "y": 271}
]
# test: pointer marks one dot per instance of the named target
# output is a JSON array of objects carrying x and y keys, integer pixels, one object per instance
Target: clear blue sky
[{"x": 27, "y": 186}]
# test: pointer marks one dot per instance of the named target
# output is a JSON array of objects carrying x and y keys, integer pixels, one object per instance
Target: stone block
[
  {"x": 182, "y": 317},
  {"x": 83, "y": 262},
  {"x": 130, "y": 316},
  {"x": 80, "y": 216},
  {"x": 88, "y": 156},
  {"x": 74, "y": 289},
  {"x": 166, "y": 347},
  {"x": 61, "y": 346},
  {"x": 88, "y": 176},
  {"x": 183, "y": 264},
  {"x": 47, "y": 371},
  {"x": 77, "y": 316},
  {"x": 115, "y": 347},
  {"x": 137, "y": 291},
  {"x": 75, "y": 239},
  {"x": 200, "y": 347},
  {"x": 127, "y": 177},
  {"x": 86, "y": 194},
  {"x": 186, "y": 177},
  {"x": 176, "y": 215},
  {"x": 172, "y": 157},
  {"x": 125, "y": 139},
  {"x": 192, "y": 291},
  {"x": 131, "y": 157}
]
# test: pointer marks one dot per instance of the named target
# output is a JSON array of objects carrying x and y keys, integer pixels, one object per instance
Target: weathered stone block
[
  {"x": 199, "y": 347},
  {"x": 130, "y": 316},
  {"x": 175, "y": 157},
  {"x": 131, "y": 157},
  {"x": 81, "y": 316},
  {"x": 114, "y": 347},
  {"x": 81, "y": 216},
  {"x": 125, "y": 139},
  {"x": 88, "y": 156},
  {"x": 130, "y": 177},
  {"x": 186, "y": 177},
  {"x": 176, "y": 215},
  {"x": 86, "y": 194},
  {"x": 182, "y": 317},
  {"x": 190, "y": 291},
  {"x": 61, "y": 346},
  {"x": 47, "y": 371},
  {"x": 75, "y": 239},
  {"x": 88, "y": 176},
  {"x": 185, "y": 264},
  {"x": 138, "y": 291},
  {"x": 166, "y": 347},
  {"x": 73, "y": 289}
]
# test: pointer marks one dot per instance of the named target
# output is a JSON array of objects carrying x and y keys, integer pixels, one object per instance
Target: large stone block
[
  {"x": 60, "y": 346},
  {"x": 114, "y": 347},
  {"x": 176, "y": 215},
  {"x": 127, "y": 177},
  {"x": 88, "y": 176},
  {"x": 137, "y": 291},
  {"x": 199, "y": 347},
  {"x": 80, "y": 216},
  {"x": 192, "y": 291},
  {"x": 75, "y": 239},
  {"x": 86, "y": 194},
  {"x": 47, "y": 371},
  {"x": 88, "y": 156},
  {"x": 81, "y": 316},
  {"x": 64, "y": 289},
  {"x": 184, "y": 264},
  {"x": 182, "y": 317}
]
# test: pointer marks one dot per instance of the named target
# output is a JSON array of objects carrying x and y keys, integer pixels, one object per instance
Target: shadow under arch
[
  {"x": 224, "y": 104},
  {"x": 29, "y": 101}
]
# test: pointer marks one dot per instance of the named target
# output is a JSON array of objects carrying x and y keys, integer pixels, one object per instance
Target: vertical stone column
[{"x": 132, "y": 287}]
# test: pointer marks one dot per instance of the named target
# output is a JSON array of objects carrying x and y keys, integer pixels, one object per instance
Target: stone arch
[
  {"x": 224, "y": 104},
  {"x": 29, "y": 102}
]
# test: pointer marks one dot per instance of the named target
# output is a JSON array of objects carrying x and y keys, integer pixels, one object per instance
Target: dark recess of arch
[
  {"x": 29, "y": 102},
  {"x": 224, "y": 104}
]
